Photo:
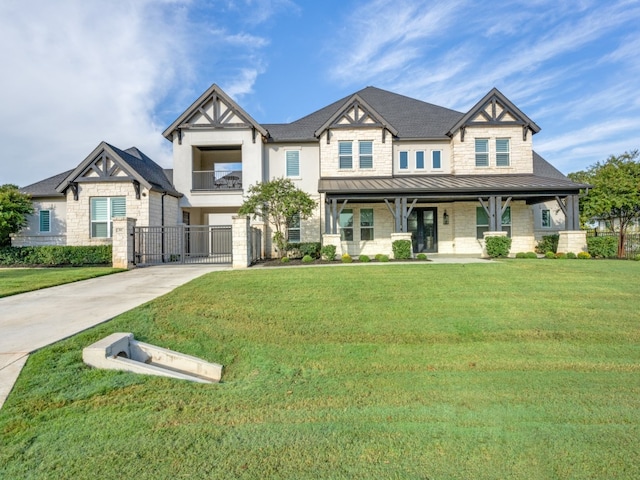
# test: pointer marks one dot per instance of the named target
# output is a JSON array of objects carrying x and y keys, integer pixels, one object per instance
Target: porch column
[
  {"x": 334, "y": 214},
  {"x": 404, "y": 214},
  {"x": 398, "y": 226},
  {"x": 327, "y": 216}
]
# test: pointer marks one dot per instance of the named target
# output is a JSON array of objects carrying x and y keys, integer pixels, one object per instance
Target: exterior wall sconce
[{"x": 445, "y": 218}]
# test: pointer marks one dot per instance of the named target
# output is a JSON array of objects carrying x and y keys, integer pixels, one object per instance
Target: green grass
[
  {"x": 21, "y": 280},
  {"x": 516, "y": 369}
]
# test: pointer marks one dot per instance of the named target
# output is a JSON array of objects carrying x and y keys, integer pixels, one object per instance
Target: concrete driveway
[{"x": 32, "y": 320}]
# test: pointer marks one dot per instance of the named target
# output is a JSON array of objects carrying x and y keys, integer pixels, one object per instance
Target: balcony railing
[{"x": 214, "y": 180}]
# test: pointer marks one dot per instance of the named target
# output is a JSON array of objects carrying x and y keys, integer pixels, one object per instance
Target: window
[
  {"x": 293, "y": 163},
  {"x": 293, "y": 229},
  {"x": 482, "y": 222},
  {"x": 404, "y": 160},
  {"x": 346, "y": 225},
  {"x": 419, "y": 160},
  {"x": 365, "y": 151},
  {"x": 546, "y": 218},
  {"x": 482, "y": 152},
  {"x": 436, "y": 159},
  {"x": 45, "y": 221},
  {"x": 502, "y": 152},
  {"x": 366, "y": 224},
  {"x": 103, "y": 210},
  {"x": 345, "y": 154}
]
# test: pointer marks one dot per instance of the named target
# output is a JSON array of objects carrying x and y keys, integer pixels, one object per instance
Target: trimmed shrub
[
  {"x": 498, "y": 247},
  {"x": 328, "y": 252},
  {"x": 531, "y": 255},
  {"x": 377, "y": 257},
  {"x": 307, "y": 259},
  {"x": 549, "y": 243},
  {"x": 310, "y": 248},
  {"x": 383, "y": 258},
  {"x": 285, "y": 259},
  {"x": 364, "y": 259},
  {"x": 571, "y": 255},
  {"x": 421, "y": 256},
  {"x": 346, "y": 258},
  {"x": 549, "y": 254},
  {"x": 521, "y": 255},
  {"x": 637, "y": 257},
  {"x": 56, "y": 255},
  {"x": 602, "y": 247},
  {"x": 561, "y": 256},
  {"x": 401, "y": 249},
  {"x": 583, "y": 255}
]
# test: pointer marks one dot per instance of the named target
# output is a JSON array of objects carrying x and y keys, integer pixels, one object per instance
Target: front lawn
[
  {"x": 20, "y": 280},
  {"x": 514, "y": 369}
]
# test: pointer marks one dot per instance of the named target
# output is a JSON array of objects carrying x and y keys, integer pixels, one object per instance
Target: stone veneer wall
[{"x": 382, "y": 152}]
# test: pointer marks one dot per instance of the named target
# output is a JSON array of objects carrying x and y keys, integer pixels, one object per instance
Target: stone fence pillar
[
  {"x": 574, "y": 241},
  {"x": 333, "y": 239},
  {"x": 241, "y": 241},
  {"x": 122, "y": 242}
]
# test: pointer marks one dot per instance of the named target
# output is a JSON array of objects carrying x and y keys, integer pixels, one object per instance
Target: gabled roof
[
  {"x": 494, "y": 109},
  {"x": 218, "y": 117},
  {"x": 108, "y": 163},
  {"x": 411, "y": 118},
  {"x": 46, "y": 187}
]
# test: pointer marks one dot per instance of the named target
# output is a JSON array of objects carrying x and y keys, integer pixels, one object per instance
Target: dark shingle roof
[
  {"x": 412, "y": 118},
  {"x": 147, "y": 168},
  {"x": 46, "y": 187}
]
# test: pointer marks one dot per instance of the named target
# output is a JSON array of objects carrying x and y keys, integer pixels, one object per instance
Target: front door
[{"x": 422, "y": 225}]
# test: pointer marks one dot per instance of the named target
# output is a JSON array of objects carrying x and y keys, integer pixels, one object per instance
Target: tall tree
[
  {"x": 277, "y": 201},
  {"x": 14, "y": 208},
  {"x": 615, "y": 193}
]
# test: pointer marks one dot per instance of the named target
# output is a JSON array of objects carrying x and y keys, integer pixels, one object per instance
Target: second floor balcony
[{"x": 216, "y": 180}]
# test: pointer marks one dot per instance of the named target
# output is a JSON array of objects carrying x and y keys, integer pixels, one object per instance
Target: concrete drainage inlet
[{"x": 119, "y": 351}]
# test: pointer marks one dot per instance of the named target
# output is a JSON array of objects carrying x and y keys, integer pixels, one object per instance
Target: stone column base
[
  {"x": 400, "y": 236},
  {"x": 240, "y": 235},
  {"x": 484, "y": 241},
  {"x": 333, "y": 239},
  {"x": 573, "y": 241}
]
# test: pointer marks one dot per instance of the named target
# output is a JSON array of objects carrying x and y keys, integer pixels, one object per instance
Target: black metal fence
[
  {"x": 255, "y": 238},
  {"x": 631, "y": 244},
  {"x": 183, "y": 244}
]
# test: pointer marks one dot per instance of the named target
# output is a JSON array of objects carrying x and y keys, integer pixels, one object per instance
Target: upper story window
[
  {"x": 103, "y": 211},
  {"x": 436, "y": 159},
  {"x": 346, "y": 225},
  {"x": 345, "y": 154},
  {"x": 419, "y": 160},
  {"x": 365, "y": 154},
  {"x": 482, "y": 152},
  {"x": 293, "y": 229},
  {"x": 293, "y": 163},
  {"x": 502, "y": 152},
  {"x": 45, "y": 221},
  {"x": 404, "y": 160}
]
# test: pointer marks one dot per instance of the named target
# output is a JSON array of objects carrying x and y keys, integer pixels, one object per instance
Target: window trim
[
  {"x": 484, "y": 154},
  {"x": 507, "y": 153},
  {"x": 485, "y": 227},
  {"x": 367, "y": 228},
  {"x": 406, "y": 160},
  {"x": 40, "y": 220},
  {"x": 418, "y": 167},
  {"x": 109, "y": 215},
  {"x": 291, "y": 227},
  {"x": 345, "y": 229},
  {"x": 433, "y": 160},
  {"x": 542, "y": 215},
  {"x": 345, "y": 156},
  {"x": 365, "y": 155},
  {"x": 286, "y": 163}
]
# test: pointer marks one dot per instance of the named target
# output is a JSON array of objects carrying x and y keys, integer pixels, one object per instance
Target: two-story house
[{"x": 381, "y": 166}]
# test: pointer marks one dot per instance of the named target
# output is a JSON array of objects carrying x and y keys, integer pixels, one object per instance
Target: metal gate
[{"x": 182, "y": 244}]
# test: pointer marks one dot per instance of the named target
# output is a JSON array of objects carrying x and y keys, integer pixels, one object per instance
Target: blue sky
[{"x": 77, "y": 72}]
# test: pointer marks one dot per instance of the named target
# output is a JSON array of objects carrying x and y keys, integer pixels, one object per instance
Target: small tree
[
  {"x": 276, "y": 201},
  {"x": 615, "y": 196},
  {"x": 14, "y": 208}
]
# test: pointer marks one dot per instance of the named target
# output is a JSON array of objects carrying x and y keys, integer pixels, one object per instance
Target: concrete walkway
[{"x": 32, "y": 320}]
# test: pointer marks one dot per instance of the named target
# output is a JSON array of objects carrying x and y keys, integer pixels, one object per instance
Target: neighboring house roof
[
  {"x": 409, "y": 117},
  {"x": 46, "y": 187},
  {"x": 133, "y": 162},
  {"x": 217, "y": 119}
]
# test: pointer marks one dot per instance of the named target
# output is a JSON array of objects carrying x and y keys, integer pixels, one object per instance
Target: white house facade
[{"x": 381, "y": 166}]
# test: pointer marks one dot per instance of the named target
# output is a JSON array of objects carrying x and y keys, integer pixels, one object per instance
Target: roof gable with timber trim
[
  {"x": 213, "y": 109},
  {"x": 356, "y": 113},
  {"x": 107, "y": 163},
  {"x": 494, "y": 109}
]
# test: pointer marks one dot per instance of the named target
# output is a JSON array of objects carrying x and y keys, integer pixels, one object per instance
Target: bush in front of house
[
  {"x": 637, "y": 257},
  {"x": 498, "y": 247},
  {"x": 549, "y": 243},
  {"x": 56, "y": 255},
  {"x": 531, "y": 255},
  {"x": 310, "y": 248},
  {"x": 307, "y": 259},
  {"x": 550, "y": 255},
  {"x": 346, "y": 258},
  {"x": 377, "y": 257},
  {"x": 561, "y": 256},
  {"x": 285, "y": 259},
  {"x": 583, "y": 255},
  {"x": 401, "y": 249},
  {"x": 421, "y": 256},
  {"x": 602, "y": 247},
  {"x": 382, "y": 258},
  {"x": 328, "y": 252},
  {"x": 364, "y": 258},
  {"x": 571, "y": 256}
]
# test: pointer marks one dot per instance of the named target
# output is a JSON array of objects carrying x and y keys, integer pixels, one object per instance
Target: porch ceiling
[{"x": 447, "y": 187}]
